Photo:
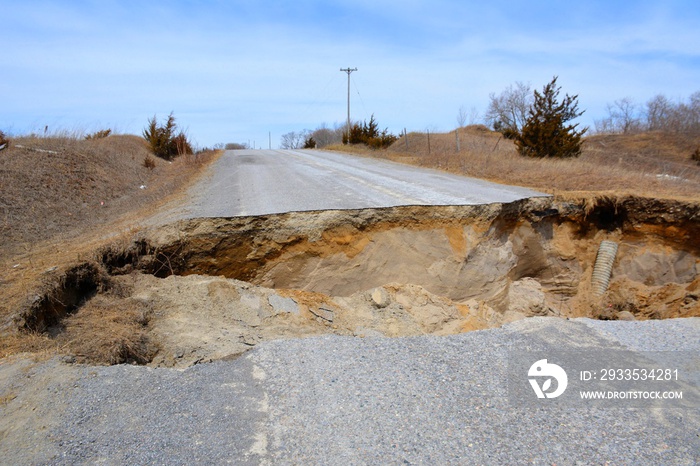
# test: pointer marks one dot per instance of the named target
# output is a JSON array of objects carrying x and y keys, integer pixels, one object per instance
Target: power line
[
  {"x": 321, "y": 98},
  {"x": 354, "y": 82}
]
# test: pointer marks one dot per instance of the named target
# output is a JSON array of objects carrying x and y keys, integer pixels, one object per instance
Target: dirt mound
[{"x": 200, "y": 318}]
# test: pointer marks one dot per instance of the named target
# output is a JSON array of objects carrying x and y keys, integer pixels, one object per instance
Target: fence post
[
  {"x": 405, "y": 135},
  {"x": 428, "y": 142},
  {"x": 457, "y": 137}
]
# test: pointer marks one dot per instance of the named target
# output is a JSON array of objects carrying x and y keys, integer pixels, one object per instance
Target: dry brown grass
[
  {"x": 108, "y": 330},
  {"x": 61, "y": 187},
  {"x": 650, "y": 165},
  {"x": 54, "y": 186},
  {"x": 6, "y": 398},
  {"x": 34, "y": 343}
]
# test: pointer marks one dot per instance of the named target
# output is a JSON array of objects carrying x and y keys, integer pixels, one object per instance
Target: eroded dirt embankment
[{"x": 212, "y": 288}]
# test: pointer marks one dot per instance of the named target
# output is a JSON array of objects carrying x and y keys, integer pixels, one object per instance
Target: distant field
[{"x": 645, "y": 164}]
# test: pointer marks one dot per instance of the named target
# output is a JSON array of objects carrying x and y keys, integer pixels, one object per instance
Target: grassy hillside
[
  {"x": 646, "y": 164},
  {"x": 57, "y": 187}
]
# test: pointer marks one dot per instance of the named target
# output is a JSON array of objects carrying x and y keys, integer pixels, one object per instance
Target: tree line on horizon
[
  {"x": 659, "y": 113},
  {"x": 364, "y": 132}
]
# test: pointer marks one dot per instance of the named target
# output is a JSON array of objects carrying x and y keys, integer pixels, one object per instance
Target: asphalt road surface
[
  {"x": 260, "y": 182},
  {"x": 336, "y": 400}
]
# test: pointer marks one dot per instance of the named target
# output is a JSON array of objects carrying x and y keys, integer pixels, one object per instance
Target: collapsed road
[{"x": 354, "y": 334}]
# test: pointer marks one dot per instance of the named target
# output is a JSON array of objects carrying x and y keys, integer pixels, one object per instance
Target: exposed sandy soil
[{"x": 206, "y": 289}]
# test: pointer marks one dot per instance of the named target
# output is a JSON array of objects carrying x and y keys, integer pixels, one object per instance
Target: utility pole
[{"x": 348, "y": 71}]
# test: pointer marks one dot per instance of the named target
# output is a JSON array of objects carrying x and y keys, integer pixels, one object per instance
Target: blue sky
[{"x": 234, "y": 71}]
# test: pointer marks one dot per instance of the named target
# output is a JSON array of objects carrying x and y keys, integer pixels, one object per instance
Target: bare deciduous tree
[
  {"x": 461, "y": 117},
  {"x": 623, "y": 117},
  {"x": 325, "y": 136},
  {"x": 473, "y": 116},
  {"x": 465, "y": 117},
  {"x": 658, "y": 114},
  {"x": 686, "y": 116},
  {"x": 294, "y": 140},
  {"x": 508, "y": 111},
  {"x": 626, "y": 113}
]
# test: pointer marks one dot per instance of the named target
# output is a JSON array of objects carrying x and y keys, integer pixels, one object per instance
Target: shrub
[
  {"x": 546, "y": 132},
  {"x": 696, "y": 155},
  {"x": 99, "y": 134},
  {"x": 384, "y": 140},
  {"x": 149, "y": 163},
  {"x": 310, "y": 143},
  {"x": 182, "y": 145},
  {"x": 4, "y": 142},
  {"x": 235, "y": 146},
  {"x": 368, "y": 133},
  {"x": 164, "y": 140}
]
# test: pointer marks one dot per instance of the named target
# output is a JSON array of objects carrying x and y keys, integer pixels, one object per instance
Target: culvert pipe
[{"x": 603, "y": 267}]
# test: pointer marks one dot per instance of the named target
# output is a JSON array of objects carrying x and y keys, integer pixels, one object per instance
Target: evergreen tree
[
  {"x": 164, "y": 140},
  {"x": 368, "y": 133},
  {"x": 310, "y": 143},
  {"x": 547, "y": 131}
]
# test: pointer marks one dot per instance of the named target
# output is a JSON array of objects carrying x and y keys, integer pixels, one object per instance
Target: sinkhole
[{"x": 215, "y": 287}]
